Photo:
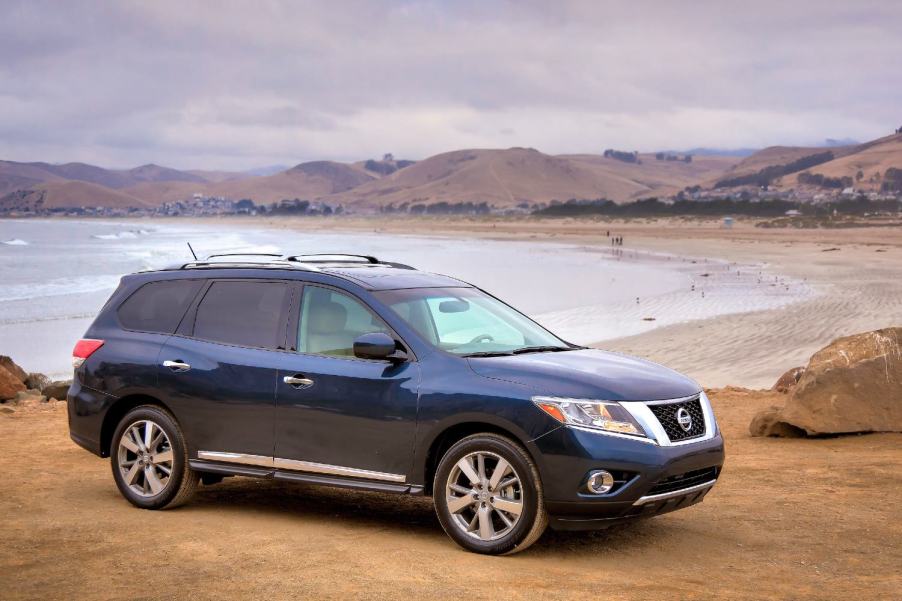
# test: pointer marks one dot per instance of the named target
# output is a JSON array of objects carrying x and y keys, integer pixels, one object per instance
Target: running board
[{"x": 336, "y": 481}]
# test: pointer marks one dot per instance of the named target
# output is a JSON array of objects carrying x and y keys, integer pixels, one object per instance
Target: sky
[{"x": 238, "y": 85}]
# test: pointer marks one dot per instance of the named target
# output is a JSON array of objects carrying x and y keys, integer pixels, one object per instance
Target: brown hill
[
  {"x": 20, "y": 176},
  {"x": 308, "y": 181},
  {"x": 872, "y": 159},
  {"x": 785, "y": 163},
  {"x": 156, "y": 173},
  {"x": 69, "y": 194},
  {"x": 506, "y": 178}
]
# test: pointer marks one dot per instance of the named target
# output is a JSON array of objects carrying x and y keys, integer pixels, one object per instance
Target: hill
[
  {"x": 18, "y": 176},
  {"x": 871, "y": 159},
  {"x": 308, "y": 181},
  {"x": 514, "y": 176},
  {"x": 70, "y": 194},
  {"x": 781, "y": 166}
]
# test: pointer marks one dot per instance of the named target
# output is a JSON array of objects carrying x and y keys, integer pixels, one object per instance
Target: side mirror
[{"x": 375, "y": 345}]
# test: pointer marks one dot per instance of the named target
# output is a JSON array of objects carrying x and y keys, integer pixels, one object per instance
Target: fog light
[{"x": 600, "y": 482}]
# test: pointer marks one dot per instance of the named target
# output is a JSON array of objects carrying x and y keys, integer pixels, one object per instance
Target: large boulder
[
  {"x": 10, "y": 384},
  {"x": 789, "y": 380},
  {"x": 57, "y": 389},
  {"x": 9, "y": 365},
  {"x": 852, "y": 385}
]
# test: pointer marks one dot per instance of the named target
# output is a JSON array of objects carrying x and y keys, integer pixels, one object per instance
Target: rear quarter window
[{"x": 158, "y": 306}]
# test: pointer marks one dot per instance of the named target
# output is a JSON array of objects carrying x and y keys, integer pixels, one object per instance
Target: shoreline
[
  {"x": 854, "y": 276},
  {"x": 856, "y": 272}
]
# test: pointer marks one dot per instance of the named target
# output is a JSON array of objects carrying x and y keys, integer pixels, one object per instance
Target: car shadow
[{"x": 388, "y": 511}]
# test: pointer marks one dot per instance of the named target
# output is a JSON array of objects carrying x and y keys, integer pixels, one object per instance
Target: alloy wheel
[
  {"x": 145, "y": 458},
  {"x": 484, "y": 496}
]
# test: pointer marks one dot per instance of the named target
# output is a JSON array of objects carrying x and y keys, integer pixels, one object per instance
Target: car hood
[{"x": 588, "y": 374}]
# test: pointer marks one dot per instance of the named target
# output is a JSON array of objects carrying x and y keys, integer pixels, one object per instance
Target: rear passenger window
[
  {"x": 158, "y": 306},
  {"x": 243, "y": 313}
]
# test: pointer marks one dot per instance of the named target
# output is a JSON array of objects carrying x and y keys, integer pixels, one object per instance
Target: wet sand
[{"x": 856, "y": 274}]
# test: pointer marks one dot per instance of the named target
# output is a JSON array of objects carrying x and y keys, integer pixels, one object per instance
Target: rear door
[
  {"x": 219, "y": 373},
  {"x": 343, "y": 415}
]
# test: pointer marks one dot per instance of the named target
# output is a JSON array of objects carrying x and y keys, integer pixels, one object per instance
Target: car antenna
[{"x": 193, "y": 254}]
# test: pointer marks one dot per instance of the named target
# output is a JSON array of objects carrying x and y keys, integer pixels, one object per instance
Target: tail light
[{"x": 84, "y": 348}]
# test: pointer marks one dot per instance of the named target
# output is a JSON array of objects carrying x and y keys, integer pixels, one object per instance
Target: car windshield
[{"x": 469, "y": 322}]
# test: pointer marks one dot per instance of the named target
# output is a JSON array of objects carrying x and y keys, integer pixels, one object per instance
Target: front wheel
[
  {"x": 150, "y": 461},
  {"x": 488, "y": 495}
]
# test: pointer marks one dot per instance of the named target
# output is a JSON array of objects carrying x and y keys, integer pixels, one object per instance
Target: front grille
[
  {"x": 667, "y": 415},
  {"x": 681, "y": 481}
]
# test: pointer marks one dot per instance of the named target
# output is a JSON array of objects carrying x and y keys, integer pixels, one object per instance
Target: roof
[{"x": 364, "y": 270}]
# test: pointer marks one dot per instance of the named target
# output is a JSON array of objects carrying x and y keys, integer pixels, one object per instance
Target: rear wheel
[
  {"x": 488, "y": 495},
  {"x": 150, "y": 460}
]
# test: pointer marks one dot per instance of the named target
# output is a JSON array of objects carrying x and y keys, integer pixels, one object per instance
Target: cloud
[{"x": 235, "y": 84}]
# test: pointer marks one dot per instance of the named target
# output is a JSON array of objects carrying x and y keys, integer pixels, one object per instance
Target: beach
[
  {"x": 855, "y": 275},
  {"x": 799, "y": 518},
  {"x": 57, "y": 274},
  {"x": 824, "y": 525}
]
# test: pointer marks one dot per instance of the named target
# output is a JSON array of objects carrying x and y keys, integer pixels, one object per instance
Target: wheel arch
[
  {"x": 445, "y": 438},
  {"x": 117, "y": 411}
]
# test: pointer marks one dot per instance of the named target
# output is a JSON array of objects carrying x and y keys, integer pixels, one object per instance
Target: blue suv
[{"x": 343, "y": 370}]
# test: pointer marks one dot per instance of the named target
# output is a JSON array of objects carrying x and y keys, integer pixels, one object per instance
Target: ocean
[{"x": 56, "y": 274}]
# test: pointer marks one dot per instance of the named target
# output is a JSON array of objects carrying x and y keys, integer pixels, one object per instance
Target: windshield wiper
[
  {"x": 488, "y": 354},
  {"x": 540, "y": 349}
]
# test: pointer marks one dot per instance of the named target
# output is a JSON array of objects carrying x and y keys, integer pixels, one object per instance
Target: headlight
[{"x": 608, "y": 416}]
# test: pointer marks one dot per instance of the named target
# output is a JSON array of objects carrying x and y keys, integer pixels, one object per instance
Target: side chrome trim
[
  {"x": 337, "y": 470},
  {"x": 674, "y": 493},
  {"x": 236, "y": 458},
  {"x": 299, "y": 466}
]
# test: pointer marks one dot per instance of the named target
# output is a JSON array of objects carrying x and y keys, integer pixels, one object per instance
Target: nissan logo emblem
[{"x": 684, "y": 419}]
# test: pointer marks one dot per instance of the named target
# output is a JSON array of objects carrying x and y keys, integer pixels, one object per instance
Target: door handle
[
  {"x": 176, "y": 365},
  {"x": 298, "y": 381}
]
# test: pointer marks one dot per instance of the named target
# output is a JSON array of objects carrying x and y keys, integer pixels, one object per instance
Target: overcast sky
[{"x": 244, "y": 84}]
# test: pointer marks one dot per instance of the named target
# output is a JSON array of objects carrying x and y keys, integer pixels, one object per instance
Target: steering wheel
[{"x": 482, "y": 338}]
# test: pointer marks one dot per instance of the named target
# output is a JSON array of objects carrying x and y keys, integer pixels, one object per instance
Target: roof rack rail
[
  {"x": 277, "y": 255},
  {"x": 343, "y": 258},
  {"x": 333, "y": 258},
  {"x": 311, "y": 262}
]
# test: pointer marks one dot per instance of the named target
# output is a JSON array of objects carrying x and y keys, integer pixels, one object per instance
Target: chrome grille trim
[
  {"x": 674, "y": 493},
  {"x": 641, "y": 412}
]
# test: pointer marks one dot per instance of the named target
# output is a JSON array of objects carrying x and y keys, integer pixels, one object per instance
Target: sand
[{"x": 789, "y": 519}]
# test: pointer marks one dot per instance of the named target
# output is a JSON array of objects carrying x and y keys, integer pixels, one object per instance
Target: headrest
[{"x": 327, "y": 318}]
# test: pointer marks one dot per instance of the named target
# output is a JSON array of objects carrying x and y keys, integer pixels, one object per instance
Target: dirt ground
[{"x": 790, "y": 519}]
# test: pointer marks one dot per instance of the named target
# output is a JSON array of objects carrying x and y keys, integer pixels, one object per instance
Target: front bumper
[{"x": 567, "y": 455}]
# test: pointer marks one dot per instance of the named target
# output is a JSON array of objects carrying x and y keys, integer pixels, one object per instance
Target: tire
[
  {"x": 481, "y": 517},
  {"x": 141, "y": 472}
]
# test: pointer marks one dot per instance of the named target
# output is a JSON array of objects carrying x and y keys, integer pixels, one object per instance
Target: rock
[
  {"x": 29, "y": 398},
  {"x": 9, "y": 385},
  {"x": 767, "y": 423},
  {"x": 789, "y": 380},
  {"x": 57, "y": 389},
  {"x": 36, "y": 380},
  {"x": 852, "y": 385},
  {"x": 6, "y": 409},
  {"x": 9, "y": 365}
]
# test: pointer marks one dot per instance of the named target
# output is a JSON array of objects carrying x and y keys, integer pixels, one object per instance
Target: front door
[
  {"x": 338, "y": 414},
  {"x": 219, "y": 377}
]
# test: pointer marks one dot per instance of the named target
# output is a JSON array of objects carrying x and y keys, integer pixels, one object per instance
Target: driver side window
[{"x": 330, "y": 321}]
